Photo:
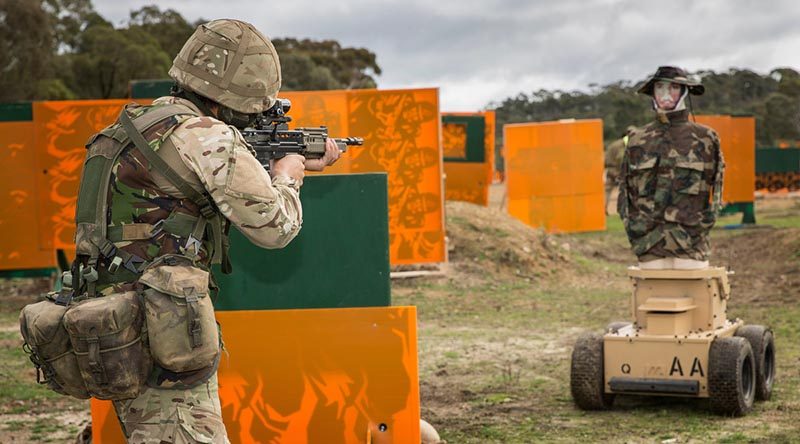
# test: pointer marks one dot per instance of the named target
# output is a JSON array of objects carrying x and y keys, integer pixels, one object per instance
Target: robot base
[{"x": 679, "y": 344}]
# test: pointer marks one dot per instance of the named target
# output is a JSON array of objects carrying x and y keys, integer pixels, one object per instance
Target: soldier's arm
[
  {"x": 267, "y": 211},
  {"x": 719, "y": 173}
]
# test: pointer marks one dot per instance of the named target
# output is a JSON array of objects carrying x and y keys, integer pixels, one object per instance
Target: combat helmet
[
  {"x": 231, "y": 63},
  {"x": 675, "y": 75}
]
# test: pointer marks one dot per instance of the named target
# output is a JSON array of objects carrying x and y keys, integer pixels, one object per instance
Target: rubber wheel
[
  {"x": 586, "y": 374},
  {"x": 615, "y": 326},
  {"x": 763, "y": 345},
  {"x": 731, "y": 376}
]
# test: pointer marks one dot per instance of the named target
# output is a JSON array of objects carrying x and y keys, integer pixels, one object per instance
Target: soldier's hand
[
  {"x": 291, "y": 165},
  {"x": 332, "y": 153}
]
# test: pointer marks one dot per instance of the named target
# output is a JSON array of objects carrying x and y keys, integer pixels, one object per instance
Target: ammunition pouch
[
  {"x": 108, "y": 337},
  {"x": 180, "y": 314},
  {"x": 50, "y": 349}
]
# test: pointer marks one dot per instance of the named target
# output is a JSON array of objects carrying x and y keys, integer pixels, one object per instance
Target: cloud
[{"x": 478, "y": 51}]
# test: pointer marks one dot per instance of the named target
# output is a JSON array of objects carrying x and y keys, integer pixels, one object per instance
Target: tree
[
  {"x": 167, "y": 27},
  {"x": 69, "y": 18},
  {"x": 309, "y": 64},
  {"x": 780, "y": 118},
  {"x": 108, "y": 59},
  {"x": 26, "y": 48},
  {"x": 773, "y": 99}
]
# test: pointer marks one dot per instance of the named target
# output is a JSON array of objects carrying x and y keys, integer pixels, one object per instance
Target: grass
[
  {"x": 500, "y": 352},
  {"x": 494, "y": 359},
  {"x": 18, "y": 382}
]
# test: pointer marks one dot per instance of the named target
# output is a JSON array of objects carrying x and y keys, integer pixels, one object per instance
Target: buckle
[
  {"x": 114, "y": 265},
  {"x": 66, "y": 279},
  {"x": 192, "y": 244},
  {"x": 108, "y": 249},
  {"x": 64, "y": 298},
  {"x": 208, "y": 211},
  {"x": 132, "y": 264},
  {"x": 157, "y": 229},
  {"x": 89, "y": 274}
]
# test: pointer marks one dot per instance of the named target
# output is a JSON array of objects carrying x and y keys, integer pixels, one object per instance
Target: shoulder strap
[{"x": 208, "y": 209}]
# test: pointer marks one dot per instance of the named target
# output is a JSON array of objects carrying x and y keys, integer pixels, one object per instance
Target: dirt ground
[
  {"x": 496, "y": 335},
  {"x": 496, "y": 332}
]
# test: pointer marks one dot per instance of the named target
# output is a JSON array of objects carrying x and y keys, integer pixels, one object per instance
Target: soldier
[
  {"x": 182, "y": 174},
  {"x": 671, "y": 178}
]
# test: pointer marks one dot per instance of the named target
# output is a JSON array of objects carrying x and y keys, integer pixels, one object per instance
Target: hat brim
[{"x": 695, "y": 88}]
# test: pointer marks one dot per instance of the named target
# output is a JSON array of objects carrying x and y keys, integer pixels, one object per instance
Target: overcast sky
[{"x": 477, "y": 51}]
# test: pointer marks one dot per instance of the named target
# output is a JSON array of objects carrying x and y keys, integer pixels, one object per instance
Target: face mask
[{"x": 667, "y": 95}]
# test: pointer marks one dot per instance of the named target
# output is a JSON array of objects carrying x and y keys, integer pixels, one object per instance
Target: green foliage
[
  {"x": 76, "y": 53},
  {"x": 773, "y": 99},
  {"x": 168, "y": 27},
  {"x": 26, "y": 48},
  {"x": 308, "y": 64},
  {"x": 109, "y": 58}
]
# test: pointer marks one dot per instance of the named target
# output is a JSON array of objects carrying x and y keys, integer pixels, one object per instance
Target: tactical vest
[
  {"x": 123, "y": 220},
  {"x": 147, "y": 252}
]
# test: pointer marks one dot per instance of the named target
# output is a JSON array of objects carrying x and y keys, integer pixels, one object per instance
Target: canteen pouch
[
  {"x": 109, "y": 339},
  {"x": 49, "y": 348},
  {"x": 180, "y": 315}
]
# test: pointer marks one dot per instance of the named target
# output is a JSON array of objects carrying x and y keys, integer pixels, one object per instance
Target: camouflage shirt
[
  {"x": 266, "y": 210},
  {"x": 668, "y": 174}
]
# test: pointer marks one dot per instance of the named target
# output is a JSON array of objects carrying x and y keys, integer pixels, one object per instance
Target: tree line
[
  {"x": 64, "y": 49},
  {"x": 773, "y": 99}
]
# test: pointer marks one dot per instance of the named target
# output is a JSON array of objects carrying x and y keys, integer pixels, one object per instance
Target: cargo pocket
[
  {"x": 49, "y": 348},
  {"x": 108, "y": 337},
  {"x": 688, "y": 176},
  {"x": 643, "y": 175},
  {"x": 180, "y": 315}
]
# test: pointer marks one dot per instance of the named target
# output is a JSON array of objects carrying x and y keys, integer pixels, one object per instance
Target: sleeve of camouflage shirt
[
  {"x": 622, "y": 197},
  {"x": 265, "y": 210}
]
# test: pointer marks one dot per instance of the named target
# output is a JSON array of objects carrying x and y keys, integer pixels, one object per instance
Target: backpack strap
[
  {"x": 208, "y": 210},
  {"x": 93, "y": 237}
]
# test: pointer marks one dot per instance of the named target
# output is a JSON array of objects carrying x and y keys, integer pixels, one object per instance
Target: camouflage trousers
[{"x": 174, "y": 416}]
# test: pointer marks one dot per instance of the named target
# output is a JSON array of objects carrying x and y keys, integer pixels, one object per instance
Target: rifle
[{"x": 271, "y": 137}]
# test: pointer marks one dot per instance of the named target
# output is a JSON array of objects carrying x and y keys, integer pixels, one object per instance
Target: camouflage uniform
[
  {"x": 265, "y": 210},
  {"x": 232, "y": 64},
  {"x": 668, "y": 173}
]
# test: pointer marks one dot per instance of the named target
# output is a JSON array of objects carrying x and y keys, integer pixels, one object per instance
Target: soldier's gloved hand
[
  {"x": 332, "y": 153},
  {"x": 291, "y": 165}
]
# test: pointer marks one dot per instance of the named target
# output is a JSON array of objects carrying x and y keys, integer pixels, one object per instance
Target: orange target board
[
  {"x": 468, "y": 181},
  {"x": 400, "y": 129},
  {"x": 19, "y": 244},
  {"x": 401, "y": 137},
  {"x": 554, "y": 174},
  {"x": 335, "y": 376},
  {"x": 737, "y": 138},
  {"x": 61, "y": 129}
]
